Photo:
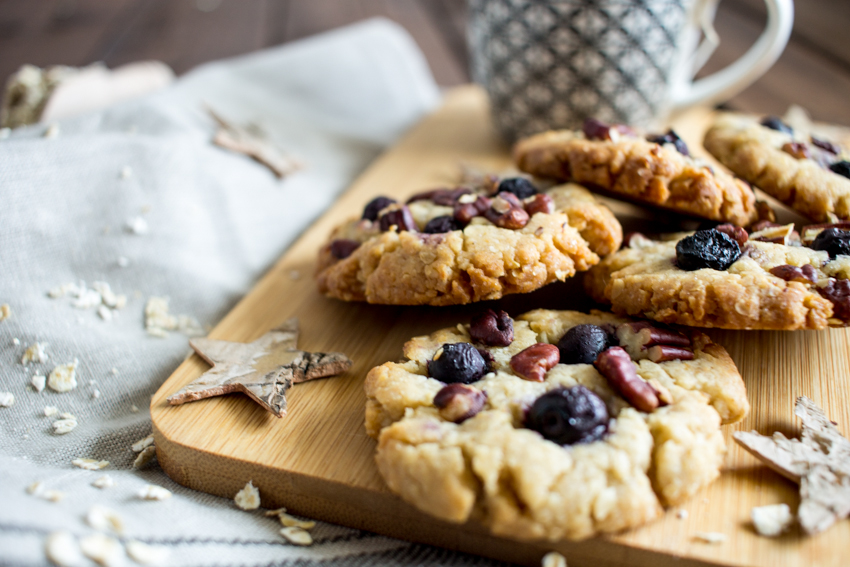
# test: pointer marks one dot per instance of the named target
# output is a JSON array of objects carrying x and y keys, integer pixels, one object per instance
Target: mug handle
[{"x": 753, "y": 64}]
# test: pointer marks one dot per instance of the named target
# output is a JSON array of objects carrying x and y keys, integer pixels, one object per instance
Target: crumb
[
  {"x": 64, "y": 425},
  {"x": 38, "y": 382},
  {"x": 63, "y": 378},
  {"x": 114, "y": 371},
  {"x": 248, "y": 498},
  {"x": 52, "y": 132},
  {"x": 553, "y": 559},
  {"x": 6, "y": 399},
  {"x": 5, "y": 312},
  {"x": 772, "y": 520},
  {"x": 16, "y": 341},
  {"x": 104, "y": 519},
  {"x": 296, "y": 536},
  {"x": 50, "y": 410},
  {"x": 145, "y": 457},
  {"x": 86, "y": 299},
  {"x": 102, "y": 549},
  {"x": 158, "y": 320},
  {"x": 710, "y": 537},
  {"x": 62, "y": 549},
  {"x": 145, "y": 209},
  {"x": 145, "y": 554},
  {"x": 126, "y": 172},
  {"x": 105, "y": 481},
  {"x": 52, "y": 495},
  {"x": 123, "y": 262},
  {"x": 105, "y": 313},
  {"x": 137, "y": 225},
  {"x": 153, "y": 492},
  {"x": 35, "y": 353},
  {"x": 35, "y": 488},
  {"x": 110, "y": 299},
  {"x": 95, "y": 394},
  {"x": 134, "y": 408},
  {"x": 142, "y": 444},
  {"x": 682, "y": 514},
  {"x": 90, "y": 464}
]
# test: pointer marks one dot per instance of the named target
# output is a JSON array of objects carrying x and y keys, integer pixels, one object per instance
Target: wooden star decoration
[
  {"x": 264, "y": 369},
  {"x": 819, "y": 461}
]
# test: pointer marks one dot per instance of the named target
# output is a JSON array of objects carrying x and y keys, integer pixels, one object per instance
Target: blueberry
[
  {"x": 671, "y": 137},
  {"x": 519, "y": 186},
  {"x": 457, "y": 363},
  {"x": 442, "y": 224},
  {"x": 569, "y": 415},
  {"x": 582, "y": 344},
  {"x": 375, "y": 206},
  {"x": 832, "y": 240},
  {"x": 707, "y": 249},
  {"x": 841, "y": 168},
  {"x": 775, "y": 123}
]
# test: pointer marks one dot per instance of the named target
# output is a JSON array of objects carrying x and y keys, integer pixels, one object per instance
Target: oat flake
[
  {"x": 296, "y": 536},
  {"x": 62, "y": 549},
  {"x": 63, "y": 426},
  {"x": 105, "y": 481},
  {"x": 104, "y": 519},
  {"x": 145, "y": 457},
  {"x": 90, "y": 464},
  {"x": 248, "y": 498},
  {"x": 6, "y": 399},
  {"x": 64, "y": 377},
  {"x": 710, "y": 537},
  {"x": 38, "y": 382},
  {"x": 153, "y": 492},
  {"x": 145, "y": 554},
  {"x": 103, "y": 549},
  {"x": 50, "y": 411},
  {"x": 142, "y": 444},
  {"x": 553, "y": 559},
  {"x": 34, "y": 353}
]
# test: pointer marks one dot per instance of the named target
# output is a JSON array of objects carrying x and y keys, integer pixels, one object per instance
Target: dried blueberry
[
  {"x": 582, "y": 344},
  {"x": 438, "y": 225},
  {"x": 775, "y": 123},
  {"x": 343, "y": 247},
  {"x": 838, "y": 292},
  {"x": 841, "y": 168},
  {"x": 375, "y": 206},
  {"x": 832, "y": 240},
  {"x": 671, "y": 137},
  {"x": 569, "y": 415},
  {"x": 519, "y": 186},
  {"x": 457, "y": 363},
  {"x": 707, "y": 249}
]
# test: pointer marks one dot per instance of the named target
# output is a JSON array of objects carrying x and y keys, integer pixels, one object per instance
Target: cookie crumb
[
  {"x": 5, "y": 312},
  {"x": 7, "y": 399},
  {"x": 145, "y": 457},
  {"x": 62, "y": 549},
  {"x": 158, "y": 320},
  {"x": 52, "y": 495},
  {"x": 296, "y": 536},
  {"x": 153, "y": 492},
  {"x": 38, "y": 382},
  {"x": 710, "y": 537},
  {"x": 52, "y": 131},
  {"x": 770, "y": 521},
  {"x": 553, "y": 559},
  {"x": 248, "y": 498},
  {"x": 104, "y": 519},
  {"x": 63, "y": 378},
  {"x": 35, "y": 487},
  {"x": 103, "y": 482},
  {"x": 90, "y": 464},
  {"x": 145, "y": 554},
  {"x": 102, "y": 549},
  {"x": 16, "y": 341},
  {"x": 142, "y": 444},
  {"x": 682, "y": 514},
  {"x": 137, "y": 226}
]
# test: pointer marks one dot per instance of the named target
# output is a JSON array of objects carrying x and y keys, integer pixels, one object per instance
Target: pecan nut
[
  {"x": 617, "y": 367},
  {"x": 466, "y": 211},
  {"x": 797, "y": 150},
  {"x": 736, "y": 233},
  {"x": 534, "y": 362},
  {"x": 492, "y": 328},
  {"x": 540, "y": 203},
  {"x": 803, "y": 274},
  {"x": 506, "y": 211},
  {"x": 459, "y": 402},
  {"x": 637, "y": 337},
  {"x": 663, "y": 353},
  {"x": 397, "y": 216}
]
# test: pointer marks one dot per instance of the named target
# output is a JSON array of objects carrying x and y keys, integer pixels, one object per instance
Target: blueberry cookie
[
  {"x": 806, "y": 173},
  {"x": 556, "y": 425},
  {"x": 455, "y": 246},
  {"x": 772, "y": 278},
  {"x": 656, "y": 170}
]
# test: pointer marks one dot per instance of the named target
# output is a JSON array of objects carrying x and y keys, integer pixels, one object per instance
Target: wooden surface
[
  {"x": 814, "y": 71},
  {"x": 318, "y": 460}
]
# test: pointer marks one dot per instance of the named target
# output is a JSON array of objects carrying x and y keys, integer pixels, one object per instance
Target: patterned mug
[{"x": 550, "y": 64}]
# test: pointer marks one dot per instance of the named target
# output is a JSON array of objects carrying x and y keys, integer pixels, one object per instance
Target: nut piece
[
  {"x": 458, "y": 402},
  {"x": 802, "y": 274},
  {"x": 737, "y": 233},
  {"x": 798, "y": 150},
  {"x": 617, "y": 367},
  {"x": 465, "y": 212},
  {"x": 663, "y": 353},
  {"x": 506, "y": 211},
  {"x": 777, "y": 234},
  {"x": 492, "y": 328},
  {"x": 535, "y": 361},
  {"x": 540, "y": 203},
  {"x": 397, "y": 216},
  {"x": 637, "y": 337}
]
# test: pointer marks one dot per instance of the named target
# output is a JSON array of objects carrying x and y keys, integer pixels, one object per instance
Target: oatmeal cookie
[
  {"x": 655, "y": 171},
  {"x": 506, "y": 422},
  {"x": 769, "y": 280},
  {"x": 804, "y": 172},
  {"x": 455, "y": 246}
]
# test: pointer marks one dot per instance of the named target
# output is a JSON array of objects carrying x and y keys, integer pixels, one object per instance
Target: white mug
[{"x": 550, "y": 64}]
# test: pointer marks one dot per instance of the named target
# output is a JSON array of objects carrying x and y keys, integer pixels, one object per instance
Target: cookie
[
  {"x": 656, "y": 171},
  {"x": 455, "y": 246},
  {"x": 498, "y": 449},
  {"x": 778, "y": 284},
  {"x": 806, "y": 173}
]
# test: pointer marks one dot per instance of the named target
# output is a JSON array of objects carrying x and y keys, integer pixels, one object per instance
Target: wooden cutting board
[{"x": 318, "y": 460}]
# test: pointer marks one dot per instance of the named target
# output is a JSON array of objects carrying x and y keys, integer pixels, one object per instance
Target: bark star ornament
[
  {"x": 819, "y": 462},
  {"x": 264, "y": 369}
]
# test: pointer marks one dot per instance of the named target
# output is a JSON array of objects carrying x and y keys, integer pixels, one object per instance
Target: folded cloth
[{"x": 137, "y": 198}]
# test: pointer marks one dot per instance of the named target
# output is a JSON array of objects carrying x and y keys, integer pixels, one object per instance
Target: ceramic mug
[{"x": 552, "y": 63}]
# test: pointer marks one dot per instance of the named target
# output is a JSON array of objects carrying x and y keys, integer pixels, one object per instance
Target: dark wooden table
[{"x": 814, "y": 71}]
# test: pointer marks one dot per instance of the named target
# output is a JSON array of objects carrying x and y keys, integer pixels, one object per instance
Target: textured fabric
[{"x": 216, "y": 221}]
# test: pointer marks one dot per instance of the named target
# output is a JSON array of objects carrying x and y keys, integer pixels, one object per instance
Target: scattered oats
[
  {"x": 142, "y": 444},
  {"x": 6, "y": 399},
  {"x": 64, "y": 377},
  {"x": 277, "y": 512},
  {"x": 95, "y": 394},
  {"x": 35, "y": 488},
  {"x": 105, "y": 313},
  {"x": 158, "y": 332},
  {"x": 296, "y": 536},
  {"x": 52, "y": 132},
  {"x": 145, "y": 554},
  {"x": 710, "y": 537},
  {"x": 553, "y": 559},
  {"x": 62, "y": 549},
  {"x": 105, "y": 481},
  {"x": 50, "y": 410},
  {"x": 123, "y": 262},
  {"x": 134, "y": 408},
  {"x": 103, "y": 549},
  {"x": 114, "y": 371},
  {"x": 248, "y": 498},
  {"x": 63, "y": 426},
  {"x": 137, "y": 225},
  {"x": 126, "y": 172},
  {"x": 16, "y": 341},
  {"x": 52, "y": 495},
  {"x": 90, "y": 464},
  {"x": 145, "y": 457},
  {"x": 110, "y": 298},
  {"x": 290, "y": 521},
  {"x": 682, "y": 514},
  {"x": 153, "y": 492},
  {"x": 294, "y": 275},
  {"x": 157, "y": 318},
  {"x": 104, "y": 519},
  {"x": 5, "y": 133},
  {"x": 35, "y": 353},
  {"x": 38, "y": 382},
  {"x": 87, "y": 298},
  {"x": 5, "y": 312},
  {"x": 771, "y": 520},
  {"x": 63, "y": 290}
]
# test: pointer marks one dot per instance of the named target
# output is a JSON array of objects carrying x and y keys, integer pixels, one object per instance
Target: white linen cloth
[{"x": 216, "y": 222}]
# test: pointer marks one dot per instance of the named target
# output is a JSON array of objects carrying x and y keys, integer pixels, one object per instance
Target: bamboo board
[{"x": 318, "y": 460}]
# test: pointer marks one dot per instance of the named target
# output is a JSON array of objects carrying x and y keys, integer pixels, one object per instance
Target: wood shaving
[
  {"x": 142, "y": 444},
  {"x": 90, "y": 464},
  {"x": 153, "y": 492},
  {"x": 7, "y": 399},
  {"x": 254, "y": 145},
  {"x": 248, "y": 498},
  {"x": 50, "y": 411},
  {"x": 296, "y": 536},
  {"x": 110, "y": 298},
  {"x": 553, "y": 559},
  {"x": 819, "y": 461},
  {"x": 145, "y": 554},
  {"x": 104, "y": 519},
  {"x": 145, "y": 457},
  {"x": 103, "y": 549},
  {"x": 64, "y": 425},
  {"x": 5, "y": 312},
  {"x": 62, "y": 549},
  {"x": 770, "y": 521},
  {"x": 38, "y": 382},
  {"x": 35, "y": 353},
  {"x": 104, "y": 482},
  {"x": 63, "y": 378},
  {"x": 713, "y": 538}
]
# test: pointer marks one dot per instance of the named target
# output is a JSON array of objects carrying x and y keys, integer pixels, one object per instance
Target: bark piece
[
  {"x": 244, "y": 141},
  {"x": 819, "y": 461},
  {"x": 264, "y": 369}
]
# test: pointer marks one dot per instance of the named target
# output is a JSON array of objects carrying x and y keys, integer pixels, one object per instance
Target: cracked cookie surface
[{"x": 491, "y": 468}]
